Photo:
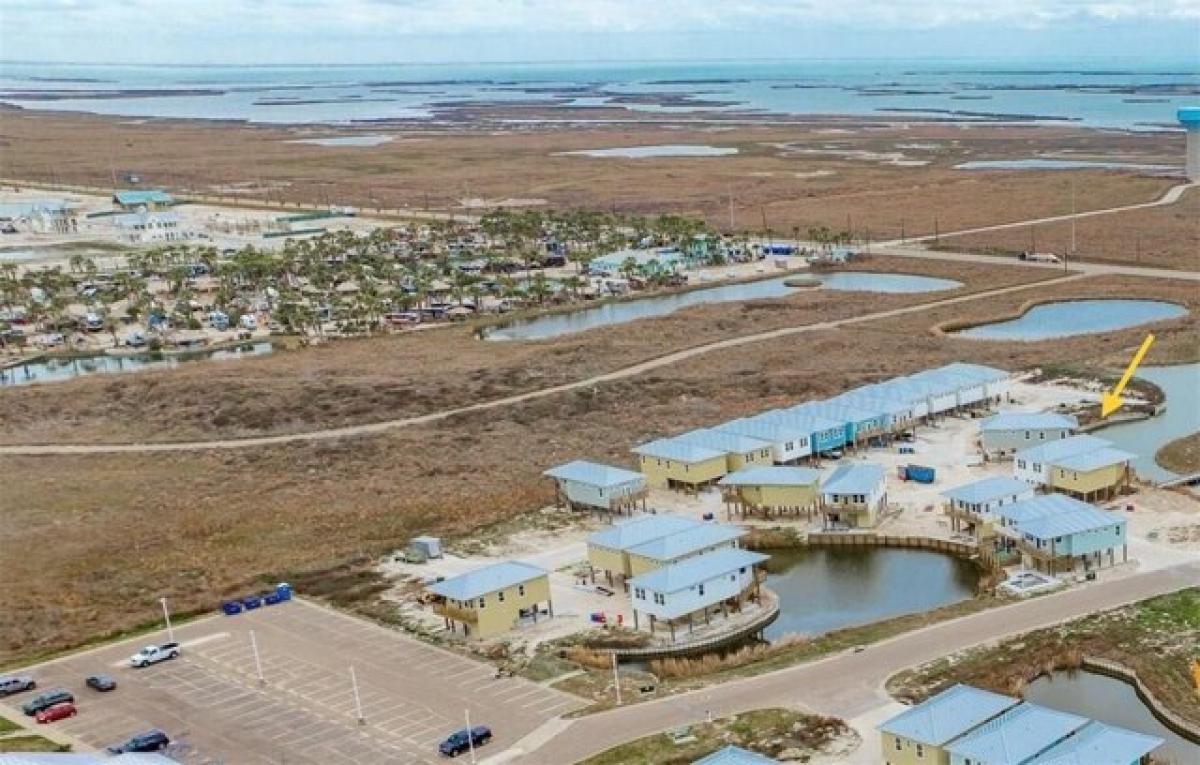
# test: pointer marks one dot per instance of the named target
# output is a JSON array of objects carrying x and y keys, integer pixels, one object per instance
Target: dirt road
[{"x": 846, "y": 685}]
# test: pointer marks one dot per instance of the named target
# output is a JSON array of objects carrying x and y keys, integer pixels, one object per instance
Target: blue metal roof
[
  {"x": 491, "y": 578},
  {"x": 775, "y": 431},
  {"x": 988, "y": 490},
  {"x": 1093, "y": 460},
  {"x": 947, "y": 715},
  {"x": 1066, "y": 524},
  {"x": 1189, "y": 116},
  {"x": 1063, "y": 447},
  {"x": 810, "y": 423},
  {"x": 143, "y": 197},
  {"x": 1028, "y": 421},
  {"x": 723, "y": 441},
  {"x": 1099, "y": 744},
  {"x": 734, "y": 755},
  {"x": 639, "y": 530},
  {"x": 678, "y": 450},
  {"x": 772, "y": 475},
  {"x": 855, "y": 478},
  {"x": 1043, "y": 506},
  {"x": 1017, "y": 735},
  {"x": 693, "y": 571},
  {"x": 978, "y": 371},
  {"x": 594, "y": 474},
  {"x": 687, "y": 542},
  {"x": 869, "y": 399}
]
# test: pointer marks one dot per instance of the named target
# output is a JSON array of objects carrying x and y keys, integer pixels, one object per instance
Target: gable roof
[
  {"x": 491, "y": 578},
  {"x": 947, "y": 715},
  {"x": 1043, "y": 506},
  {"x": 978, "y": 371},
  {"x": 855, "y": 478},
  {"x": 734, "y": 755},
  {"x": 142, "y": 197},
  {"x": 771, "y": 475},
  {"x": 1099, "y": 744},
  {"x": 677, "y": 450},
  {"x": 594, "y": 474},
  {"x": 988, "y": 490},
  {"x": 1092, "y": 460},
  {"x": 1028, "y": 421},
  {"x": 639, "y": 530},
  {"x": 1063, "y": 447},
  {"x": 1064, "y": 524},
  {"x": 723, "y": 441},
  {"x": 693, "y": 571},
  {"x": 682, "y": 543},
  {"x": 1016, "y": 735},
  {"x": 775, "y": 431}
]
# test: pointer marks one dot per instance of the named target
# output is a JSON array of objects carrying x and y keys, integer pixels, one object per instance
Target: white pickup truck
[{"x": 153, "y": 654}]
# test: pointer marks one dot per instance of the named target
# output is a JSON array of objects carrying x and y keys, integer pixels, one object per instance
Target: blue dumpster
[{"x": 284, "y": 591}]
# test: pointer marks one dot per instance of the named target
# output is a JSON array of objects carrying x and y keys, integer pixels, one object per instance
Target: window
[
  {"x": 1042, "y": 436},
  {"x": 701, "y": 590},
  {"x": 733, "y": 577},
  {"x": 921, "y": 751},
  {"x": 1037, "y": 467},
  {"x": 1027, "y": 435},
  {"x": 500, "y": 596},
  {"x": 639, "y": 593},
  {"x": 789, "y": 445},
  {"x": 482, "y": 603},
  {"x": 521, "y": 589},
  {"x": 742, "y": 570},
  {"x": 1021, "y": 464},
  {"x": 899, "y": 744}
]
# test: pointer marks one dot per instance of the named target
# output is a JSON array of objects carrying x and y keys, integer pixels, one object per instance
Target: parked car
[
  {"x": 251, "y": 601},
  {"x": 57, "y": 712},
  {"x": 102, "y": 683},
  {"x": 153, "y": 654},
  {"x": 47, "y": 700},
  {"x": 10, "y": 684},
  {"x": 150, "y": 741},
  {"x": 231, "y": 607},
  {"x": 461, "y": 741}
]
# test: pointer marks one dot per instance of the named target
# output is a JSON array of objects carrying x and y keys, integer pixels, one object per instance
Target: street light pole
[
  {"x": 470, "y": 736},
  {"x": 167, "y": 617},
  {"x": 616, "y": 678}
]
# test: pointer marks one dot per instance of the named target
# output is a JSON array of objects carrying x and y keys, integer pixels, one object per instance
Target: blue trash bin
[{"x": 284, "y": 590}]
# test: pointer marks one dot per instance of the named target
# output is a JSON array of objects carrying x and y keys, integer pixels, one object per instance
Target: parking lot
[{"x": 211, "y": 703}]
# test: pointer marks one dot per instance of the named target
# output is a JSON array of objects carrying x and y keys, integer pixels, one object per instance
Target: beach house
[
  {"x": 1099, "y": 744},
  {"x": 1002, "y": 435},
  {"x": 972, "y": 507},
  {"x": 1057, "y": 534},
  {"x": 825, "y": 435},
  {"x": 860, "y": 423},
  {"x": 492, "y": 600},
  {"x": 1014, "y": 737},
  {"x": 589, "y": 485},
  {"x": 853, "y": 496},
  {"x": 790, "y": 442},
  {"x": 1092, "y": 475},
  {"x": 771, "y": 490},
  {"x": 681, "y": 545},
  {"x": 734, "y": 755},
  {"x": 919, "y": 735},
  {"x": 142, "y": 200},
  {"x": 695, "y": 589},
  {"x": 1032, "y": 465},
  {"x": 608, "y": 549},
  {"x": 670, "y": 463},
  {"x": 739, "y": 450}
]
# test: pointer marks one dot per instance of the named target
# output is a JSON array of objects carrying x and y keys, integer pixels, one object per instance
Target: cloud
[{"x": 210, "y": 29}]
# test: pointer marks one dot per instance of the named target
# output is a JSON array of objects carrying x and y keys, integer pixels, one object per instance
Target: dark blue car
[
  {"x": 271, "y": 598},
  {"x": 461, "y": 741},
  {"x": 251, "y": 601},
  {"x": 231, "y": 607}
]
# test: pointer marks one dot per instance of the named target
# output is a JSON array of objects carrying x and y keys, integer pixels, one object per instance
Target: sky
[{"x": 385, "y": 31}]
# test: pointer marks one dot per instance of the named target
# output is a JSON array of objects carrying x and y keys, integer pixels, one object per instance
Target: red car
[{"x": 56, "y": 712}]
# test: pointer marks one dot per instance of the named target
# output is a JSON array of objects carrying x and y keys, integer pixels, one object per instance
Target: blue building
[
  {"x": 1057, "y": 534},
  {"x": 695, "y": 589}
]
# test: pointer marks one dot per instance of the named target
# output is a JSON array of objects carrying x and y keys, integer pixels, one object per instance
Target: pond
[
  {"x": 1057, "y": 164},
  {"x": 1181, "y": 385},
  {"x": 60, "y": 369},
  {"x": 826, "y": 588},
  {"x": 346, "y": 140},
  {"x": 1110, "y": 701},
  {"x": 1065, "y": 318},
  {"x": 553, "y": 325},
  {"x": 649, "y": 152}
]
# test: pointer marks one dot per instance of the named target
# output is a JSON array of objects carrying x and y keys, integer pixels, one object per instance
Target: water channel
[
  {"x": 1181, "y": 385},
  {"x": 60, "y": 369},
  {"x": 1066, "y": 318}
]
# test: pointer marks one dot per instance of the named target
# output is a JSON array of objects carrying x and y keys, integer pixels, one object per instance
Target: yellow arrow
[{"x": 1112, "y": 401}]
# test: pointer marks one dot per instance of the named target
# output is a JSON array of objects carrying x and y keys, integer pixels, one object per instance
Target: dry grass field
[
  {"x": 118, "y": 531},
  {"x": 1160, "y": 236},
  {"x": 845, "y": 174},
  {"x": 356, "y": 381}
]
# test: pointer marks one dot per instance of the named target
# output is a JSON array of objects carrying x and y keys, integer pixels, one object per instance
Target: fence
[{"x": 1118, "y": 671}]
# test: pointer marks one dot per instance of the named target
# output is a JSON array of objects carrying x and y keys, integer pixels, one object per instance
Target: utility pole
[
  {"x": 616, "y": 678},
  {"x": 167, "y": 617},
  {"x": 470, "y": 737}
]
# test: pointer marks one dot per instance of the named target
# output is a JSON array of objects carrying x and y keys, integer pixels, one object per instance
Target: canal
[
  {"x": 60, "y": 369},
  {"x": 1181, "y": 385},
  {"x": 1066, "y": 318}
]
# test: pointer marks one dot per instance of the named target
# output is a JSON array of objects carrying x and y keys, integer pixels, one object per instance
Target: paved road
[
  {"x": 617, "y": 374},
  {"x": 845, "y": 685},
  {"x": 1084, "y": 267}
]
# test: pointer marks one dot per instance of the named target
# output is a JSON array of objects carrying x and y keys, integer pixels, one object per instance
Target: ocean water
[{"x": 1104, "y": 93}]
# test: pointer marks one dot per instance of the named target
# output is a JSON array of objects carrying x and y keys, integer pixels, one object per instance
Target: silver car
[{"x": 10, "y": 684}]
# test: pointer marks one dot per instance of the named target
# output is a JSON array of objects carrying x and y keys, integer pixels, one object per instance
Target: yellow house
[
  {"x": 494, "y": 599},
  {"x": 740, "y": 450},
  {"x": 1098, "y": 474},
  {"x": 682, "y": 545},
  {"x": 920, "y": 734},
  {"x": 608, "y": 549},
  {"x": 668, "y": 463},
  {"x": 772, "y": 489}
]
